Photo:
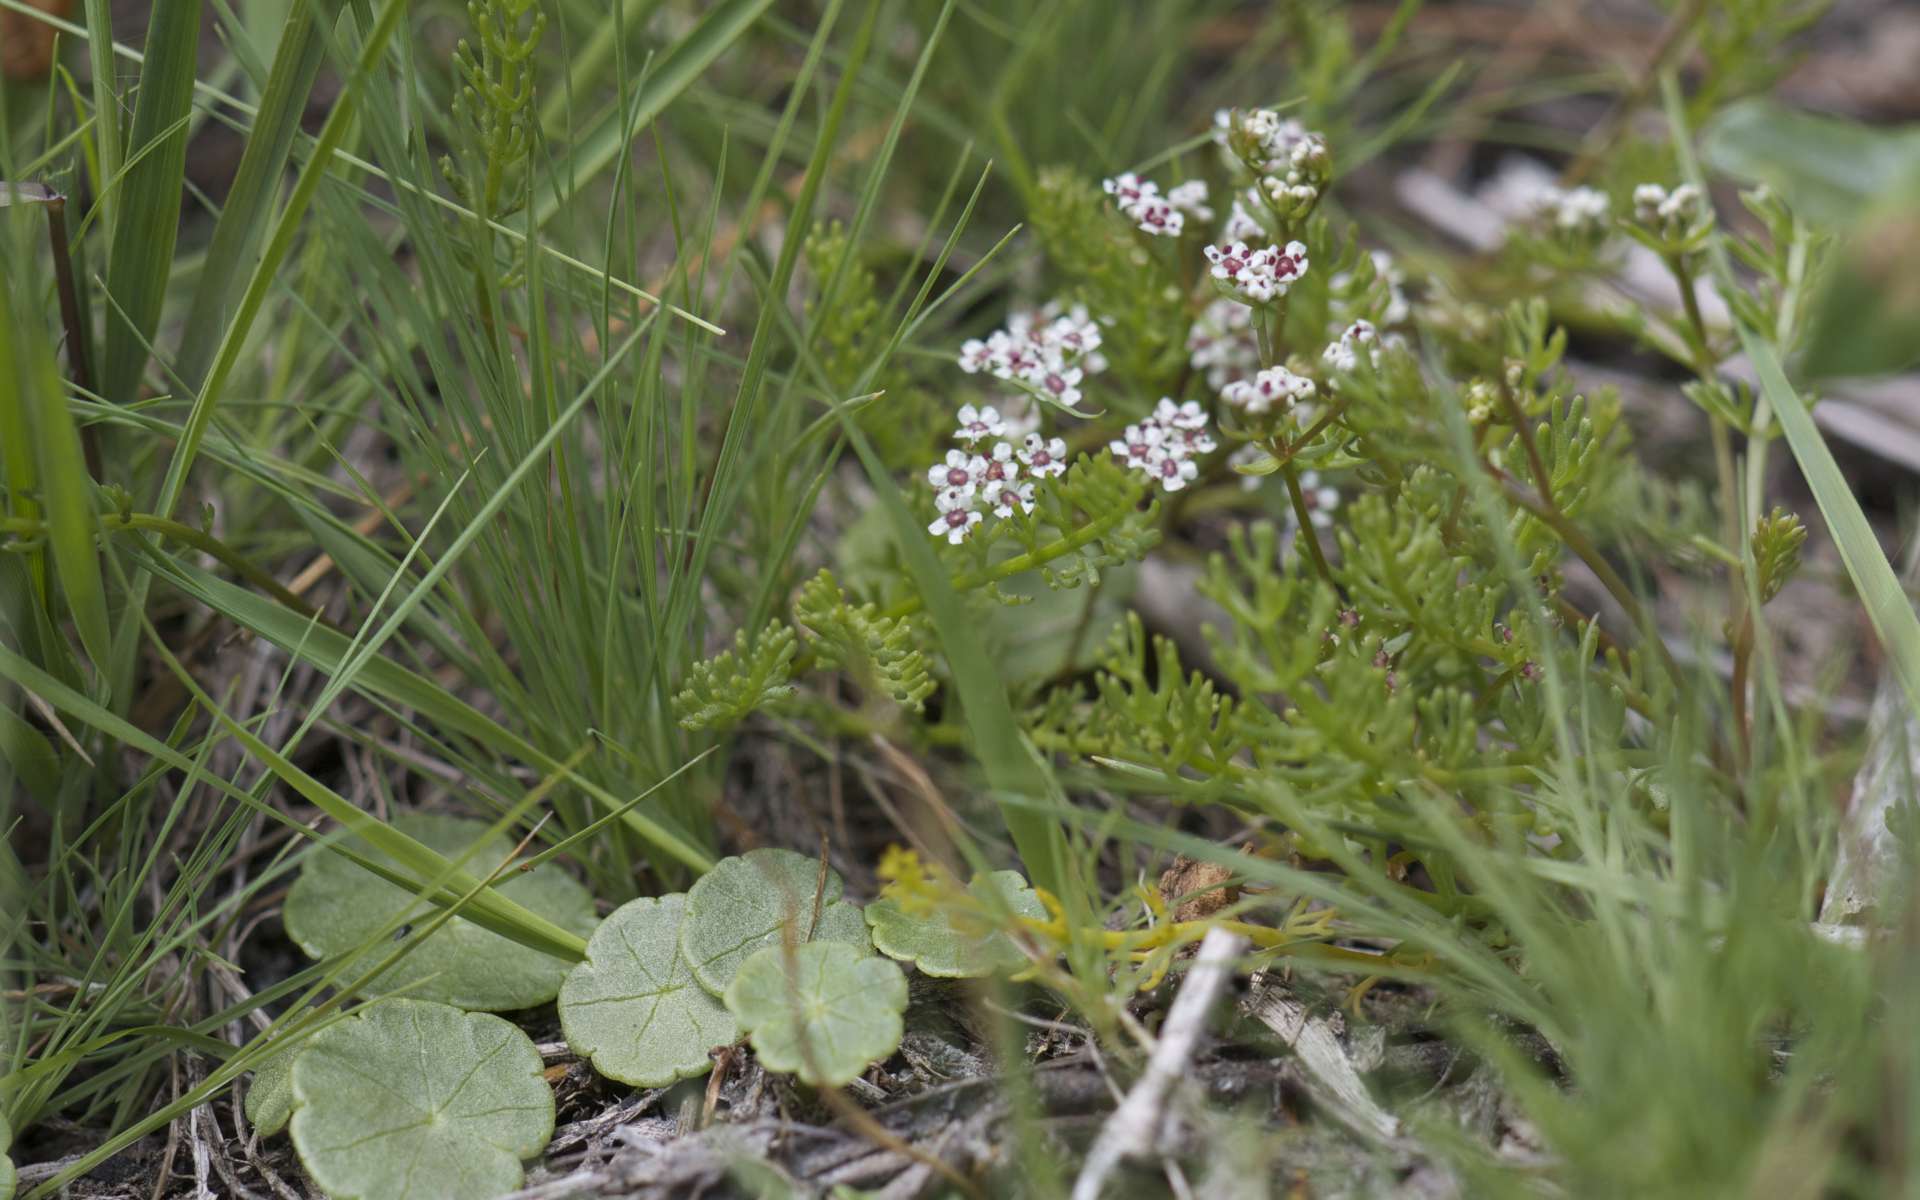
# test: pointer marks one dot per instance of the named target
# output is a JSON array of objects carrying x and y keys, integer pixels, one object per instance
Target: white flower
[
  {"x": 1073, "y": 334},
  {"x": 1221, "y": 342},
  {"x": 1185, "y": 426},
  {"x": 999, "y": 469},
  {"x": 1191, "y": 198},
  {"x": 1344, "y": 355},
  {"x": 1275, "y": 385},
  {"x": 1158, "y": 217},
  {"x": 1005, "y": 497},
  {"x": 1189, "y": 416},
  {"x": 1241, "y": 224},
  {"x": 977, "y": 423},
  {"x": 957, "y": 515},
  {"x": 959, "y": 470},
  {"x": 1059, "y": 382},
  {"x": 1288, "y": 196},
  {"x": 975, "y": 356},
  {"x": 1044, "y": 457},
  {"x": 1647, "y": 199},
  {"x": 1196, "y": 441},
  {"x": 1129, "y": 189},
  {"x": 1172, "y": 469},
  {"x": 1137, "y": 442}
]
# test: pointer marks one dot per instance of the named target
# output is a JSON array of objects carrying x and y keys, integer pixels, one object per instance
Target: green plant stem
[
  {"x": 1582, "y": 546},
  {"x": 1732, "y": 502},
  {"x": 199, "y": 539},
  {"x": 1542, "y": 481},
  {"x": 1304, "y": 516}
]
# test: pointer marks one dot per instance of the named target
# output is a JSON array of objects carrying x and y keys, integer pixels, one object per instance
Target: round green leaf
[
  {"x": 409, "y": 1100},
  {"x": 7, "y": 1179},
  {"x": 743, "y": 904},
  {"x": 633, "y": 1006},
  {"x": 939, "y": 945},
  {"x": 336, "y": 906},
  {"x": 270, "y": 1095},
  {"x": 836, "y": 1012}
]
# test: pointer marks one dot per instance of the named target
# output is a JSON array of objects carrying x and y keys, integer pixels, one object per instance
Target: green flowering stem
[
  {"x": 1304, "y": 516},
  {"x": 1084, "y": 536},
  {"x": 1291, "y": 448}
]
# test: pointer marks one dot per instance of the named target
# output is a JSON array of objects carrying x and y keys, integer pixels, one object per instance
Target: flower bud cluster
[
  {"x": 1671, "y": 215},
  {"x": 1579, "y": 213},
  {"x": 1290, "y": 162},
  {"x": 1268, "y": 390}
]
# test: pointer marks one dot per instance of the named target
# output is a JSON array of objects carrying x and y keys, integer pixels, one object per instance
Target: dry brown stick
[{"x": 1135, "y": 1125}]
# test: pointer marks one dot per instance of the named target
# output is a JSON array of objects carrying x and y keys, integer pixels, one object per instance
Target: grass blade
[
  {"x": 37, "y": 401},
  {"x": 106, "y": 106},
  {"x": 670, "y": 76},
  {"x": 265, "y": 271},
  {"x": 236, "y": 236},
  {"x": 149, "y": 203}
]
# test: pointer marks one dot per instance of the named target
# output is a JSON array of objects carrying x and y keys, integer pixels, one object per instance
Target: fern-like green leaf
[
  {"x": 881, "y": 651},
  {"x": 724, "y": 689}
]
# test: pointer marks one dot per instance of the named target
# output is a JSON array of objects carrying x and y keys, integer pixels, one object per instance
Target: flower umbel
[
  {"x": 1153, "y": 213},
  {"x": 1256, "y": 276},
  {"x": 1164, "y": 445}
]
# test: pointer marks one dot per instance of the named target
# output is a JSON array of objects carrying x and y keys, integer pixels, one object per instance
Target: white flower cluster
[
  {"x": 1359, "y": 337},
  {"x": 966, "y": 481},
  {"x": 1162, "y": 216},
  {"x": 1164, "y": 445},
  {"x": 1670, "y": 214},
  {"x": 1580, "y": 212},
  {"x": 1221, "y": 343},
  {"x": 1274, "y": 386},
  {"x": 1050, "y": 352},
  {"x": 1257, "y": 276}
]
